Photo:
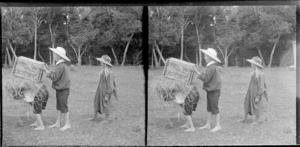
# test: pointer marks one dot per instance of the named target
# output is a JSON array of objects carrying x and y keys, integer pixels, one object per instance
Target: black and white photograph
[
  {"x": 72, "y": 75},
  {"x": 150, "y": 73},
  {"x": 222, "y": 75}
]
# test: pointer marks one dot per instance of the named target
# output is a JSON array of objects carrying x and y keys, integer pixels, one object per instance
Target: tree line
[
  {"x": 236, "y": 32},
  {"x": 85, "y": 32}
]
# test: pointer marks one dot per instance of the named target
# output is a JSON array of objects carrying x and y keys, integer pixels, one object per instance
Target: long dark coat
[{"x": 105, "y": 89}]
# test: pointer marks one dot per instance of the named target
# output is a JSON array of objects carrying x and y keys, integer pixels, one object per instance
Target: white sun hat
[
  {"x": 105, "y": 59},
  {"x": 61, "y": 52},
  {"x": 256, "y": 61},
  {"x": 212, "y": 53}
]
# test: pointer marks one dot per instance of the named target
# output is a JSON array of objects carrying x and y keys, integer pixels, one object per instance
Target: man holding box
[
  {"x": 61, "y": 83},
  {"x": 212, "y": 85}
]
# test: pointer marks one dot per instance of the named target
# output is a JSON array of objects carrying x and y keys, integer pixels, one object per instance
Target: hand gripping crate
[
  {"x": 27, "y": 68},
  {"x": 179, "y": 70}
]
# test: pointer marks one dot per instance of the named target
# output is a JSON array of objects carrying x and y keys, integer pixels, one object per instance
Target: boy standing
[
  {"x": 61, "y": 83},
  {"x": 212, "y": 85}
]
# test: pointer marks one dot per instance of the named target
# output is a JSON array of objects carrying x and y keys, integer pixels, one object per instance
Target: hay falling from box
[
  {"x": 25, "y": 79},
  {"x": 162, "y": 90},
  {"x": 16, "y": 88},
  {"x": 23, "y": 85}
]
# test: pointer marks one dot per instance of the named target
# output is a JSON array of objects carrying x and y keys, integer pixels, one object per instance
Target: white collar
[
  {"x": 210, "y": 63},
  {"x": 60, "y": 61}
]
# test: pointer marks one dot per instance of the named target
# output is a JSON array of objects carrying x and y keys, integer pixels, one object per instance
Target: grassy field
[
  {"x": 127, "y": 121},
  {"x": 279, "y": 128}
]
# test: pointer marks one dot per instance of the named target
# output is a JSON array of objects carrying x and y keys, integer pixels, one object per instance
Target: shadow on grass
[
  {"x": 14, "y": 121},
  {"x": 163, "y": 124}
]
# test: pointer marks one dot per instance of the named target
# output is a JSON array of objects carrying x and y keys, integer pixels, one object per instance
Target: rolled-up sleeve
[{"x": 110, "y": 88}]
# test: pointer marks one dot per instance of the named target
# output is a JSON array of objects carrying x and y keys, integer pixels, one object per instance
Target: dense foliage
[
  {"x": 85, "y": 32},
  {"x": 236, "y": 32}
]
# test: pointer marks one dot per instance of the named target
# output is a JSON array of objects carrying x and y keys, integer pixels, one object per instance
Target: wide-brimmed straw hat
[
  {"x": 212, "y": 53},
  {"x": 256, "y": 61},
  {"x": 105, "y": 59},
  {"x": 60, "y": 51}
]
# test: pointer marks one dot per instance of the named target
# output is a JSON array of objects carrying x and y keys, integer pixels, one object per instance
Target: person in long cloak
[
  {"x": 106, "y": 87},
  {"x": 256, "y": 97}
]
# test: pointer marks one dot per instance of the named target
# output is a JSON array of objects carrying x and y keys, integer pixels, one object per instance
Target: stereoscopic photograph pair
[{"x": 157, "y": 75}]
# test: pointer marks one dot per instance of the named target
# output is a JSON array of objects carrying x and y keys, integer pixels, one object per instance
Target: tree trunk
[
  {"x": 79, "y": 60},
  {"x": 226, "y": 61},
  {"x": 5, "y": 60},
  {"x": 38, "y": 51},
  {"x": 186, "y": 56},
  {"x": 199, "y": 43},
  {"x": 159, "y": 60},
  {"x": 236, "y": 61},
  {"x": 181, "y": 53},
  {"x": 261, "y": 57},
  {"x": 79, "y": 56},
  {"x": 13, "y": 59},
  {"x": 221, "y": 52},
  {"x": 12, "y": 49},
  {"x": 155, "y": 59},
  {"x": 226, "y": 54},
  {"x": 152, "y": 58},
  {"x": 50, "y": 58},
  {"x": 35, "y": 41},
  {"x": 226, "y": 57},
  {"x": 272, "y": 53},
  {"x": 197, "y": 61},
  {"x": 126, "y": 49},
  {"x": 90, "y": 61},
  {"x": 53, "y": 45},
  {"x": 214, "y": 33},
  {"x": 9, "y": 58},
  {"x": 115, "y": 56},
  {"x": 53, "y": 61},
  {"x": 159, "y": 53},
  {"x": 137, "y": 57},
  {"x": 200, "y": 57}
]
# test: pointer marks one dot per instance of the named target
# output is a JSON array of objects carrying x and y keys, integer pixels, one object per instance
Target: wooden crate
[
  {"x": 179, "y": 70},
  {"x": 28, "y": 69}
]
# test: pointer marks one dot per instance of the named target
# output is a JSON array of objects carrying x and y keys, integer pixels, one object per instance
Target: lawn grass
[
  {"x": 279, "y": 128},
  {"x": 127, "y": 120}
]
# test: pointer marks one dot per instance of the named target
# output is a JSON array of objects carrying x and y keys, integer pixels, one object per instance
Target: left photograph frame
[{"x": 92, "y": 87}]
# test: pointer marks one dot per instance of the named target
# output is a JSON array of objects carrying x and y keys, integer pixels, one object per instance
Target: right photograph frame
[{"x": 223, "y": 74}]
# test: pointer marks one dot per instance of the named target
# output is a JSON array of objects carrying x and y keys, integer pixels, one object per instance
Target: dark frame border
[{"x": 145, "y": 46}]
